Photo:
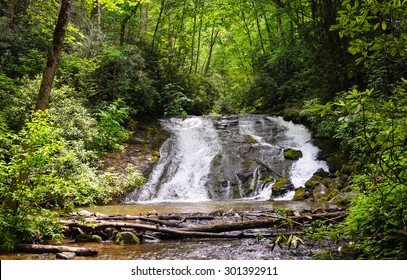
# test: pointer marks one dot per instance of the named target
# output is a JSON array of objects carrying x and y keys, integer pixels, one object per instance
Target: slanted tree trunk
[
  {"x": 54, "y": 55},
  {"x": 212, "y": 43},
  {"x": 158, "y": 24}
]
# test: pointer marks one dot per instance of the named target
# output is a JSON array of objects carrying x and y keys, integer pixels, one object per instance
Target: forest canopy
[{"x": 338, "y": 66}]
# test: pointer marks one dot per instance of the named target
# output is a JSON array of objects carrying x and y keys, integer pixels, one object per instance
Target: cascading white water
[
  {"x": 185, "y": 170},
  {"x": 186, "y": 161},
  {"x": 299, "y": 137}
]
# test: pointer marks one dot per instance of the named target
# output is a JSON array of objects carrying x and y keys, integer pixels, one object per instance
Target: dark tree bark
[{"x": 54, "y": 55}]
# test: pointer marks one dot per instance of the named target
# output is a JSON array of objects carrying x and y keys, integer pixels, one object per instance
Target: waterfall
[
  {"x": 185, "y": 161},
  {"x": 227, "y": 157}
]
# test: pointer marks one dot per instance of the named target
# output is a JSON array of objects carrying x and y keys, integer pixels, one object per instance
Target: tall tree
[{"x": 54, "y": 55}]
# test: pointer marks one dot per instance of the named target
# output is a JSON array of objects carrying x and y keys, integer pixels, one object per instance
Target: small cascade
[
  {"x": 299, "y": 137},
  {"x": 209, "y": 158}
]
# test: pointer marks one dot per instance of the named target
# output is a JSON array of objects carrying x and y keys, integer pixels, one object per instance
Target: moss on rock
[
  {"x": 126, "y": 238},
  {"x": 292, "y": 154},
  {"x": 281, "y": 187},
  {"x": 301, "y": 194}
]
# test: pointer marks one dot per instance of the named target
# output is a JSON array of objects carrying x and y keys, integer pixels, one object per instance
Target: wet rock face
[{"x": 246, "y": 164}]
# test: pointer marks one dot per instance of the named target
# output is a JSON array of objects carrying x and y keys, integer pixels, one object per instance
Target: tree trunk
[
  {"x": 199, "y": 41},
  {"x": 212, "y": 43},
  {"x": 54, "y": 55},
  {"x": 258, "y": 27},
  {"x": 193, "y": 45},
  {"x": 158, "y": 24},
  {"x": 123, "y": 29},
  {"x": 170, "y": 35}
]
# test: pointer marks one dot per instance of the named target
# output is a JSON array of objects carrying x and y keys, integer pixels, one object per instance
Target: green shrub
[
  {"x": 111, "y": 132},
  {"x": 46, "y": 171}
]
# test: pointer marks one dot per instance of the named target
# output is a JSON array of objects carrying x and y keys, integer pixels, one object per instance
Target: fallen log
[
  {"x": 176, "y": 232},
  {"x": 158, "y": 217},
  {"x": 233, "y": 226},
  {"x": 41, "y": 249},
  {"x": 262, "y": 223}
]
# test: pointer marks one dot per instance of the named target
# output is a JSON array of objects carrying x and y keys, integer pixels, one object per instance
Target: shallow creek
[{"x": 193, "y": 249}]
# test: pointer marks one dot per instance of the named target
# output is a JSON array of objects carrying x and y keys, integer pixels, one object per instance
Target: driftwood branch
[{"x": 41, "y": 249}]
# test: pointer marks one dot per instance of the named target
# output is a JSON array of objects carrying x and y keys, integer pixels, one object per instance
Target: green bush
[
  {"x": 372, "y": 125},
  {"x": 111, "y": 132},
  {"x": 46, "y": 171}
]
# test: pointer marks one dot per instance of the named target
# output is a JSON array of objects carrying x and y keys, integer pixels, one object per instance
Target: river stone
[
  {"x": 126, "y": 238},
  {"x": 281, "y": 187},
  {"x": 87, "y": 238},
  {"x": 292, "y": 154},
  {"x": 65, "y": 255}
]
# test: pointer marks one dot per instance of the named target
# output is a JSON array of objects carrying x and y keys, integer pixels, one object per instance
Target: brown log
[
  {"x": 41, "y": 249},
  {"x": 261, "y": 223}
]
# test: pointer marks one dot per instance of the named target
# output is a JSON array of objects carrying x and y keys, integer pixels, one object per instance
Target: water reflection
[{"x": 238, "y": 205}]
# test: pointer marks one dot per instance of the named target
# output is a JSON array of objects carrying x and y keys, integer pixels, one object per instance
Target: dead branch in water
[{"x": 41, "y": 249}]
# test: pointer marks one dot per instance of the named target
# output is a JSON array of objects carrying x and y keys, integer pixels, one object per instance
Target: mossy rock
[
  {"x": 126, "y": 238},
  {"x": 250, "y": 139},
  {"x": 301, "y": 194},
  {"x": 88, "y": 238},
  {"x": 292, "y": 154},
  {"x": 281, "y": 187},
  {"x": 313, "y": 182},
  {"x": 248, "y": 163},
  {"x": 267, "y": 180},
  {"x": 217, "y": 160}
]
